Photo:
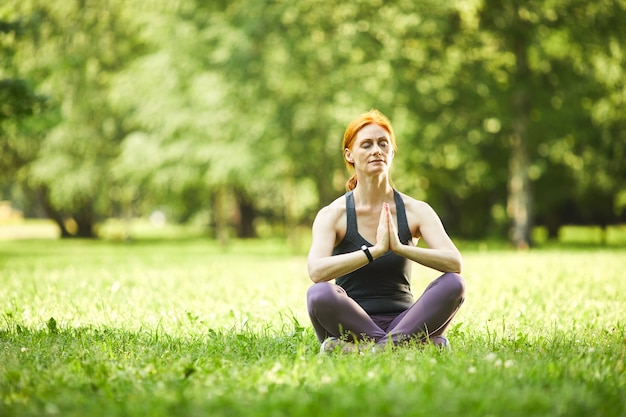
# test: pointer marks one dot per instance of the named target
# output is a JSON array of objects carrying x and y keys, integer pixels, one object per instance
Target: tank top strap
[
  {"x": 352, "y": 228},
  {"x": 404, "y": 232}
]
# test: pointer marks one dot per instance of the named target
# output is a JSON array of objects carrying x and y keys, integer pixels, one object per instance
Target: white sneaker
[
  {"x": 330, "y": 344},
  {"x": 335, "y": 344},
  {"x": 441, "y": 342}
]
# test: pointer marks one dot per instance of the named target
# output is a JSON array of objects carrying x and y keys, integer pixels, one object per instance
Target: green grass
[{"x": 169, "y": 328}]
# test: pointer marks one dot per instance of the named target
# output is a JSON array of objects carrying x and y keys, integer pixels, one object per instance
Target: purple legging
[{"x": 334, "y": 313}]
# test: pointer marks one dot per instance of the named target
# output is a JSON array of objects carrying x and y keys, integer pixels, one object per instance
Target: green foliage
[
  {"x": 73, "y": 64},
  {"x": 187, "y": 328},
  {"x": 18, "y": 101},
  {"x": 233, "y": 112}
]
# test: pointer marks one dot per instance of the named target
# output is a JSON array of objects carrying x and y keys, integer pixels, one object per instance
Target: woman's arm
[
  {"x": 441, "y": 253},
  {"x": 322, "y": 265}
]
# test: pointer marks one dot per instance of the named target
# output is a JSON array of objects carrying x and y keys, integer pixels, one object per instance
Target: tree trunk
[
  {"x": 220, "y": 216},
  {"x": 520, "y": 203},
  {"x": 85, "y": 221},
  {"x": 553, "y": 229},
  {"x": 246, "y": 215},
  {"x": 54, "y": 215},
  {"x": 65, "y": 233}
]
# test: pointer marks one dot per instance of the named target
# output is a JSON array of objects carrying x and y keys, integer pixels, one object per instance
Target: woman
[{"x": 365, "y": 240}]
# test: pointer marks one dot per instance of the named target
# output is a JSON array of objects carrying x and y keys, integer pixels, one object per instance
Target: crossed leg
[
  {"x": 334, "y": 313},
  {"x": 431, "y": 314}
]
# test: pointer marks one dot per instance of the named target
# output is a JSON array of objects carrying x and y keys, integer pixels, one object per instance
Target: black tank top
[{"x": 382, "y": 286}]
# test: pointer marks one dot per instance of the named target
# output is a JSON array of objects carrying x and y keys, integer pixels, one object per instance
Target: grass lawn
[{"x": 186, "y": 328}]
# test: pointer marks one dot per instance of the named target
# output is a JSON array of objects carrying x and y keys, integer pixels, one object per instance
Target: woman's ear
[{"x": 348, "y": 155}]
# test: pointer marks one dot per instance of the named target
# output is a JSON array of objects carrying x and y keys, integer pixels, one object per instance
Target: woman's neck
[{"x": 373, "y": 194}]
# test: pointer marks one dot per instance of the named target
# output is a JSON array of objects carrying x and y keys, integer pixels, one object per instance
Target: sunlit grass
[{"x": 191, "y": 328}]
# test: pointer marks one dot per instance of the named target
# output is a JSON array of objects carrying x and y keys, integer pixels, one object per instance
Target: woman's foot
[
  {"x": 441, "y": 342},
  {"x": 335, "y": 344}
]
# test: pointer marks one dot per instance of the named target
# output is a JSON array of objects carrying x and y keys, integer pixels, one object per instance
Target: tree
[
  {"x": 19, "y": 102},
  {"x": 560, "y": 52},
  {"x": 528, "y": 75},
  {"x": 231, "y": 113},
  {"x": 72, "y": 49}
]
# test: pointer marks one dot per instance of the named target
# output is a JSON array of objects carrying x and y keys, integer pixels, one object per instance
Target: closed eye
[{"x": 383, "y": 142}]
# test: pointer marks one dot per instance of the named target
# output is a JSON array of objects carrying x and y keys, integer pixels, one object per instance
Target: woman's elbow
[
  {"x": 454, "y": 263},
  {"x": 457, "y": 265},
  {"x": 316, "y": 274},
  {"x": 315, "y": 278}
]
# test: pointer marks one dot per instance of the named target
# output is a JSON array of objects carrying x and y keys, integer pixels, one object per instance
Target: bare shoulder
[
  {"x": 419, "y": 215},
  {"x": 416, "y": 207},
  {"x": 331, "y": 213},
  {"x": 330, "y": 222}
]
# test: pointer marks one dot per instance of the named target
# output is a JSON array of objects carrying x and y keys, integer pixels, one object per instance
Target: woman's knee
[
  {"x": 321, "y": 293},
  {"x": 455, "y": 284}
]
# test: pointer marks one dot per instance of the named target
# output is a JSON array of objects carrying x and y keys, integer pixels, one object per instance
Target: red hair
[{"x": 371, "y": 117}]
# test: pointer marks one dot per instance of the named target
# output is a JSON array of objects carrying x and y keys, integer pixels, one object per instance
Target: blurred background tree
[
  {"x": 230, "y": 114},
  {"x": 70, "y": 50}
]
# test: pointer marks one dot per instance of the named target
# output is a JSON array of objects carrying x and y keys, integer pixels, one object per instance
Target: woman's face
[{"x": 371, "y": 150}]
